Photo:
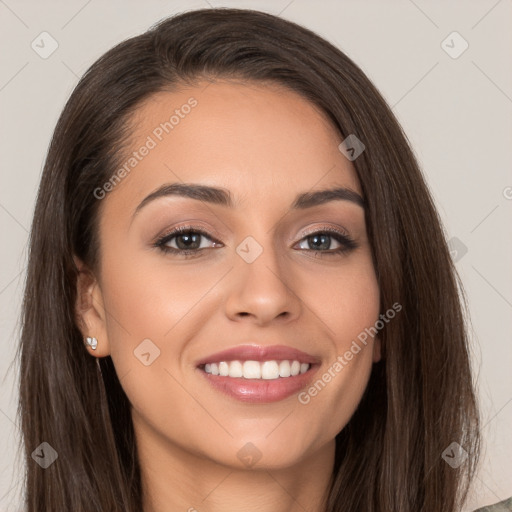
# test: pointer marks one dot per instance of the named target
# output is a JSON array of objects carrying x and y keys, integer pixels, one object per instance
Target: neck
[{"x": 174, "y": 479}]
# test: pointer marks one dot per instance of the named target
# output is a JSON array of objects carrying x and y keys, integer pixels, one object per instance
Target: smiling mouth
[
  {"x": 257, "y": 370},
  {"x": 259, "y": 382}
]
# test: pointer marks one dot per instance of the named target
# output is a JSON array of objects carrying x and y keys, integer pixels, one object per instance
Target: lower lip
[{"x": 260, "y": 390}]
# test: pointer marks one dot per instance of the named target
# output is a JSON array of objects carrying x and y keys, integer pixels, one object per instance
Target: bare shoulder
[{"x": 502, "y": 506}]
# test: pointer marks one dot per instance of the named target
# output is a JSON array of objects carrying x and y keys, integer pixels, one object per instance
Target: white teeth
[
  {"x": 284, "y": 369},
  {"x": 235, "y": 369},
  {"x": 267, "y": 370},
  {"x": 223, "y": 369},
  {"x": 252, "y": 370}
]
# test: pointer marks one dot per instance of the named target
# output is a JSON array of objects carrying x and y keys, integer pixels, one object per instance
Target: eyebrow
[{"x": 222, "y": 197}]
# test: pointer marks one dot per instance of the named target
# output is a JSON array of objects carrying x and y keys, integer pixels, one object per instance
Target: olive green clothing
[{"x": 502, "y": 506}]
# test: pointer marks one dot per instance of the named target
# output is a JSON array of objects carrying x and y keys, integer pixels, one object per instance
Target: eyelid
[
  {"x": 322, "y": 228},
  {"x": 176, "y": 230},
  {"x": 207, "y": 232}
]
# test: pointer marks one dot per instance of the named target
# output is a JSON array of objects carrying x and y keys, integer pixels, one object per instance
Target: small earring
[{"x": 92, "y": 342}]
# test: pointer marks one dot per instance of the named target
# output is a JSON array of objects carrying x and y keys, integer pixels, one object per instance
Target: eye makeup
[{"x": 193, "y": 235}]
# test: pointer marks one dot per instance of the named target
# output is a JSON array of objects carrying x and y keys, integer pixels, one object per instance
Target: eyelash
[{"x": 347, "y": 243}]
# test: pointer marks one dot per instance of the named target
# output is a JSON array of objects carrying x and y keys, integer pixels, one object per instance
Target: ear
[
  {"x": 376, "y": 349},
  {"x": 89, "y": 310}
]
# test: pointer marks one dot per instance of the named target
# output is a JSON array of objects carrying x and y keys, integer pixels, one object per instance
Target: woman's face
[{"x": 277, "y": 266}]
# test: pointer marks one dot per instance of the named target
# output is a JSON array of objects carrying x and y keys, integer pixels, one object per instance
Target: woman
[{"x": 202, "y": 179}]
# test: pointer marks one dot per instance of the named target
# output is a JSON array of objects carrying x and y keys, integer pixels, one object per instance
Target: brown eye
[{"x": 186, "y": 240}]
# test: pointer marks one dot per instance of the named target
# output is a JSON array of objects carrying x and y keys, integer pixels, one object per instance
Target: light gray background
[{"x": 457, "y": 114}]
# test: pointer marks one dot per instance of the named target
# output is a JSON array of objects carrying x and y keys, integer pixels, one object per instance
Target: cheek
[
  {"x": 149, "y": 296},
  {"x": 349, "y": 308},
  {"x": 346, "y": 300},
  {"x": 154, "y": 307}
]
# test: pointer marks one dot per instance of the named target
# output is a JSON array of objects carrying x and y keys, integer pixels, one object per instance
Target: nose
[{"x": 262, "y": 291}]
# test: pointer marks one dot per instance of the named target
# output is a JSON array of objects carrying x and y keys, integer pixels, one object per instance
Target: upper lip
[{"x": 259, "y": 353}]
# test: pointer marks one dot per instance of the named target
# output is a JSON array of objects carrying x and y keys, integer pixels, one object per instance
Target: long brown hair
[{"x": 420, "y": 396}]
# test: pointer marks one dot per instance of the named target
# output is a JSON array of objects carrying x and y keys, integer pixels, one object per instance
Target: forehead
[{"x": 258, "y": 140}]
